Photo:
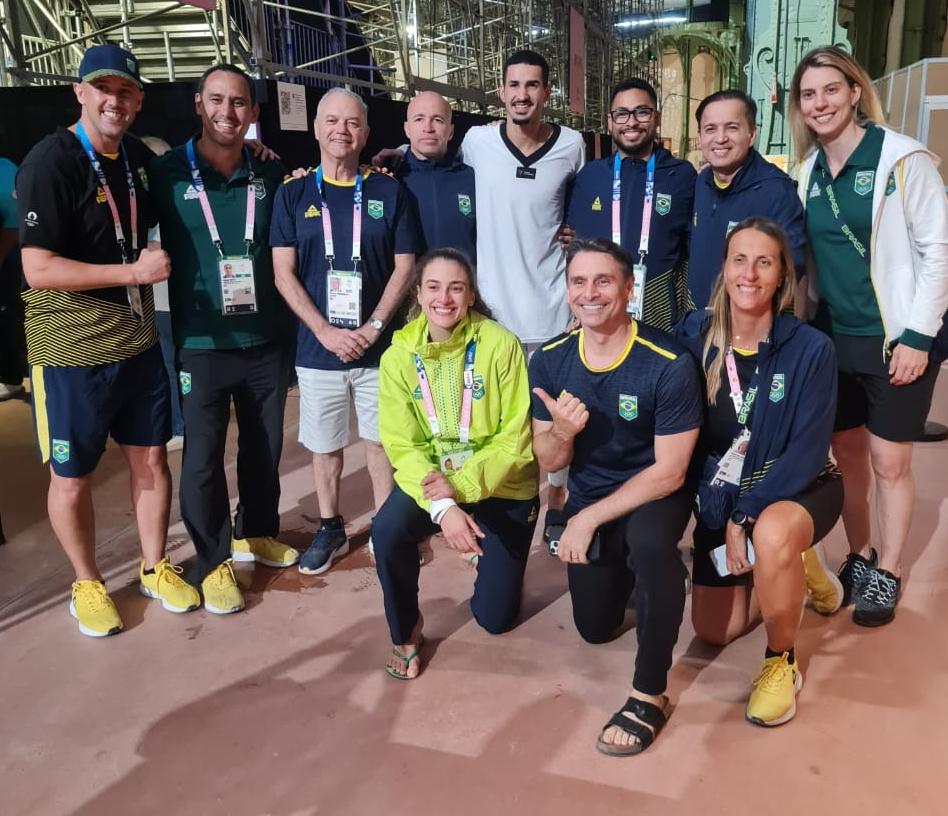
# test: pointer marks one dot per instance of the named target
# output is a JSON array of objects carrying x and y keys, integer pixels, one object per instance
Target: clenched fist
[{"x": 152, "y": 266}]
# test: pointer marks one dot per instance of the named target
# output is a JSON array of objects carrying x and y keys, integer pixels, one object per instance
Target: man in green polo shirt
[{"x": 214, "y": 203}]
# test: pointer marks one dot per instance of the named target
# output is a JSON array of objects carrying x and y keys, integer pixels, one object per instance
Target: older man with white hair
[{"x": 344, "y": 247}]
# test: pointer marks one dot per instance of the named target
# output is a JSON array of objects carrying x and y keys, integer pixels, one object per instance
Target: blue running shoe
[{"x": 328, "y": 544}]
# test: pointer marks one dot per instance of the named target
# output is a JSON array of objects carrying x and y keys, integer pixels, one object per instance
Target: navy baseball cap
[{"x": 109, "y": 60}]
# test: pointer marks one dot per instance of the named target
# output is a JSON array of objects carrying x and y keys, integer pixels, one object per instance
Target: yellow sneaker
[
  {"x": 93, "y": 608},
  {"x": 773, "y": 700},
  {"x": 166, "y": 585},
  {"x": 264, "y": 550},
  {"x": 221, "y": 593},
  {"x": 823, "y": 589}
]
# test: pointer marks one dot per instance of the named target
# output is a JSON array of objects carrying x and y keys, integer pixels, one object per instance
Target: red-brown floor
[{"x": 284, "y": 709}]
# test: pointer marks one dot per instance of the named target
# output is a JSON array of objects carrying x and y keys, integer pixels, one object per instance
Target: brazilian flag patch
[
  {"x": 60, "y": 450},
  {"x": 376, "y": 208},
  {"x": 628, "y": 407},
  {"x": 464, "y": 204},
  {"x": 184, "y": 380},
  {"x": 776, "y": 388}
]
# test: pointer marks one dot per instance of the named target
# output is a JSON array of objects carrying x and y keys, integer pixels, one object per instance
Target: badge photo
[
  {"x": 863, "y": 182},
  {"x": 663, "y": 203},
  {"x": 628, "y": 407}
]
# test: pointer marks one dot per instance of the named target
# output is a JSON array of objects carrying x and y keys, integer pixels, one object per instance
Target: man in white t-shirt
[{"x": 522, "y": 170}]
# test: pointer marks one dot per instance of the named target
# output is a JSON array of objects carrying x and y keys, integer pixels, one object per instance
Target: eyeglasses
[{"x": 621, "y": 115}]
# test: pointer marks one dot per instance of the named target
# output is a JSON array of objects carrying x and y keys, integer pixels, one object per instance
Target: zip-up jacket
[
  {"x": 908, "y": 245},
  {"x": 443, "y": 193},
  {"x": 589, "y": 212},
  {"x": 792, "y": 417},
  {"x": 759, "y": 188},
  {"x": 502, "y": 464}
]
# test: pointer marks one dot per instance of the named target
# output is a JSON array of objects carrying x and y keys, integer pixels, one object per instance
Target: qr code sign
[{"x": 286, "y": 103}]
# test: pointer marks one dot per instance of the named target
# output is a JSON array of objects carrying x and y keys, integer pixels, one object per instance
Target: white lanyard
[
  {"x": 646, "y": 203},
  {"x": 356, "y": 219},
  {"x": 206, "y": 204},
  {"x": 110, "y": 199},
  {"x": 464, "y": 425}
]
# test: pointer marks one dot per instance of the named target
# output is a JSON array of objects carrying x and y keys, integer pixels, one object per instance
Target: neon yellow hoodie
[{"x": 502, "y": 464}]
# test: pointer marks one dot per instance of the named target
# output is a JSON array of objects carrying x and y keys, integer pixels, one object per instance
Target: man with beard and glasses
[
  {"x": 96, "y": 367},
  {"x": 641, "y": 198},
  {"x": 214, "y": 202}
]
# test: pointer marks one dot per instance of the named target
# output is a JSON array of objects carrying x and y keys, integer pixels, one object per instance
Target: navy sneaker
[
  {"x": 328, "y": 544},
  {"x": 854, "y": 573},
  {"x": 875, "y": 603}
]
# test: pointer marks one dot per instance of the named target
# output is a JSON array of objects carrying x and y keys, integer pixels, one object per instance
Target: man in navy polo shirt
[
  {"x": 441, "y": 185},
  {"x": 619, "y": 403},
  {"x": 647, "y": 181},
  {"x": 344, "y": 248},
  {"x": 737, "y": 183}
]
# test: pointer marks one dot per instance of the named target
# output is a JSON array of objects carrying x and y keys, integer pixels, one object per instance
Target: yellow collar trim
[
  {"x": 336, "y": 183},
  {"x": 633, "y": 332}
]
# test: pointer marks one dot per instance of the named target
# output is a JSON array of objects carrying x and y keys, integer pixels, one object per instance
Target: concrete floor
[{"x": 284, "y": 709}]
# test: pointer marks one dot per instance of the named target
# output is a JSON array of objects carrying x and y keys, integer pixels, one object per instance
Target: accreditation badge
[
  {"x": 344, "y": 297},
  {"x": 732, "y": 463},
  {"x": 637, "y": 299},
  {"x": 238, "y": 289},
  {"x": 135, "y": 301},
  {"x": 454, "y": 460}
]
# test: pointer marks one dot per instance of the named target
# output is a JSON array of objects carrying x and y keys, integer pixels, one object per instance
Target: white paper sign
[{"x": 292, "y": 99}]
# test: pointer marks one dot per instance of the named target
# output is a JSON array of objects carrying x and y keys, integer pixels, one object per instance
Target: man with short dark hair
[
  {"x": 641, "y": 198},
  {"x": 737, "y": 184},
  {"x": 214, "y": 202},
  {"x": 90, "y": 326},
  {"x": 619, "y": 403}
]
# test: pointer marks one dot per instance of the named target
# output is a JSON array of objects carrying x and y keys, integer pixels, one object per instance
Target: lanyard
[
  {"x": 110, "y": 199},
  {"x": 742, "y": 404},
  {"x": 206, "y": 204},
  {"x": 646, "y": 203},
  {"x": 464, "y": 425},
  {"x": 843, "y": 226},
  {"x": 356, "y": 219}
]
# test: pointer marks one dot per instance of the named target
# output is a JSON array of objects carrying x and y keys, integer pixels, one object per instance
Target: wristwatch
[
  {"x": 376, "y": 324},
  {"x": 741, "y": 519}
]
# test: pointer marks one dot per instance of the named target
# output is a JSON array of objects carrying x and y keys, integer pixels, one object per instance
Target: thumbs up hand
[{"x": 569, "y": 414}]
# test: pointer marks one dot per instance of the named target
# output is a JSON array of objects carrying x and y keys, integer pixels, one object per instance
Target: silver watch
[{"x": 376, "y": 324}]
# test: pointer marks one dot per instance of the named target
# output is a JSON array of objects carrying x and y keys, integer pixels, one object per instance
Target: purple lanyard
[
  {"x": 110, "y": 199},
  {"x": 646, "y": 203},
  {"x": 356, "y": 220},
  {"x": 206, "y": 204},
  {"x": 464, "y": 425}
]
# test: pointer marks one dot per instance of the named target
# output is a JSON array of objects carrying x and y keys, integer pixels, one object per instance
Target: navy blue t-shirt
[
  {"x": 652, "y": 390},
  {"x": 388, "y": 229}
]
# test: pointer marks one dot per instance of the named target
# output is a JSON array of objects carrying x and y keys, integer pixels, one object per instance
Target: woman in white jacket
[{"x": 877, "y": 227}]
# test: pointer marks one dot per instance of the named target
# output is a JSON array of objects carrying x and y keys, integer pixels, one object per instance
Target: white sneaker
[{"x": 8, "y": 391}]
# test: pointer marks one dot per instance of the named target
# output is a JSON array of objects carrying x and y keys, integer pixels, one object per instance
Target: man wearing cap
[
  {"x": 344, "y": 247},
  {"x": 96, "y": 368},
  {"x": 441, "y": 185},
  {"x": 214, "y": 201}
]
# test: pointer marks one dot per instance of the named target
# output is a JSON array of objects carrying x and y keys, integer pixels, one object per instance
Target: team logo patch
[
  {"x": 259, "y": 189},
  {"x": 776, "y": 388},
  {"x": 628, "y": 407},
  {"x": 663, "y": 203},
  {"x": 61, "y": 450},
  {"x": 32, "y": 219},
  {"x": 478, "y": 391},
  {"x": 890, "y": 185},
  {"x": 534, "y": 512},
  {"x": 815, "y": 190},
  {"x": 464, "y": 204},
  {"x": 597, "y": 205},
  {"x": 100, "y": 196},
  {"x": 184, "y": 379},
  {"x": 143, "y": 178},
  {"x": 416, "y": 394},
  {"x": 312, "y": 212},
  {"x": 190, "y": 194},
  {"x": 376, "y": 208},
  {"x": 863, "y": 183}
]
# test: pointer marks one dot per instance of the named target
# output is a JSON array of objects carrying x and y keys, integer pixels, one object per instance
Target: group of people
[{"x": 630, "y": 330}]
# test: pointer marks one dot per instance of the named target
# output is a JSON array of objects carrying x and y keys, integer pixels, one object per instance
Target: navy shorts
[{"x": 77, "y": 408}]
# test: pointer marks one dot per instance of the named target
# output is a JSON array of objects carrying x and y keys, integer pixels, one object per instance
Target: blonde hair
[
  {"x": 719, "y": 326},
  {"x": 868, "y": 108}
]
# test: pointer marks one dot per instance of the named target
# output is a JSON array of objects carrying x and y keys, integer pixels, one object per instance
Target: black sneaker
[
  {"x": 875, "y": 604},
  {"x": 852, "y": 575},
  {"x": 328, "y": 544}
]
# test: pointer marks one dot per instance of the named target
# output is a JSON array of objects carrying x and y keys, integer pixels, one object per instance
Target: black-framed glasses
[{"x": 642, "y": 114}]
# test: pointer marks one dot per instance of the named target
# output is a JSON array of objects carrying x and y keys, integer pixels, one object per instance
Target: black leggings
[{"x": 641, "y": 549}]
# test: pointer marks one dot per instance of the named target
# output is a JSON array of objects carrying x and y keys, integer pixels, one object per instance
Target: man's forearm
[
  {"x": 553, "y": 452},
  {"x": 655, "y": 482},
  {"x": 46, "y": 270}
]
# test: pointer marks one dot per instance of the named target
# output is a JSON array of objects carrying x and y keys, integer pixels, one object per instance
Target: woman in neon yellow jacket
[{"x": 454, "y": 419}]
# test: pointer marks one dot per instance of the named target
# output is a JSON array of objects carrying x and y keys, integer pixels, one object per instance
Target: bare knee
[
  {"x": 783, "y": 531},
  {"x": 720, "y": 614},
  {"x": 892, "y": 462},
  {"x": 68, "y": 489}
]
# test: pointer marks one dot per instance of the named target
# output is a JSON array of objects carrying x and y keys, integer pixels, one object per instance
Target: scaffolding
[{"x": 391, "y": 47}]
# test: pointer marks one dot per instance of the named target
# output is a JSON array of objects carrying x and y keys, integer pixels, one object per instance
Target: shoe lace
[
  {"x": 224, "y": 575},
  {"x": 92, "y": 595},
  {"x": 772, "y": 676},
  {"x": 879, "y": 590},
  {"x": 170, "y": 573}
]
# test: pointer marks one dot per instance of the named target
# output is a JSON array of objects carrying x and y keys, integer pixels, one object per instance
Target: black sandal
[{"x": 646, "y": 714}]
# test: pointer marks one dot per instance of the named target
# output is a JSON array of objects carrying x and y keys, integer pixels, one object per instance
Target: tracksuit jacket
[
  {"x": 502, "y": 465},
  {"x": 759, "y": 188},
  {"x": 791, "y": 420}
]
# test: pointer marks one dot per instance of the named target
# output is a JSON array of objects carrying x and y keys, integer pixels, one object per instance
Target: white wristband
[{"x": 439, "y": 507}]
